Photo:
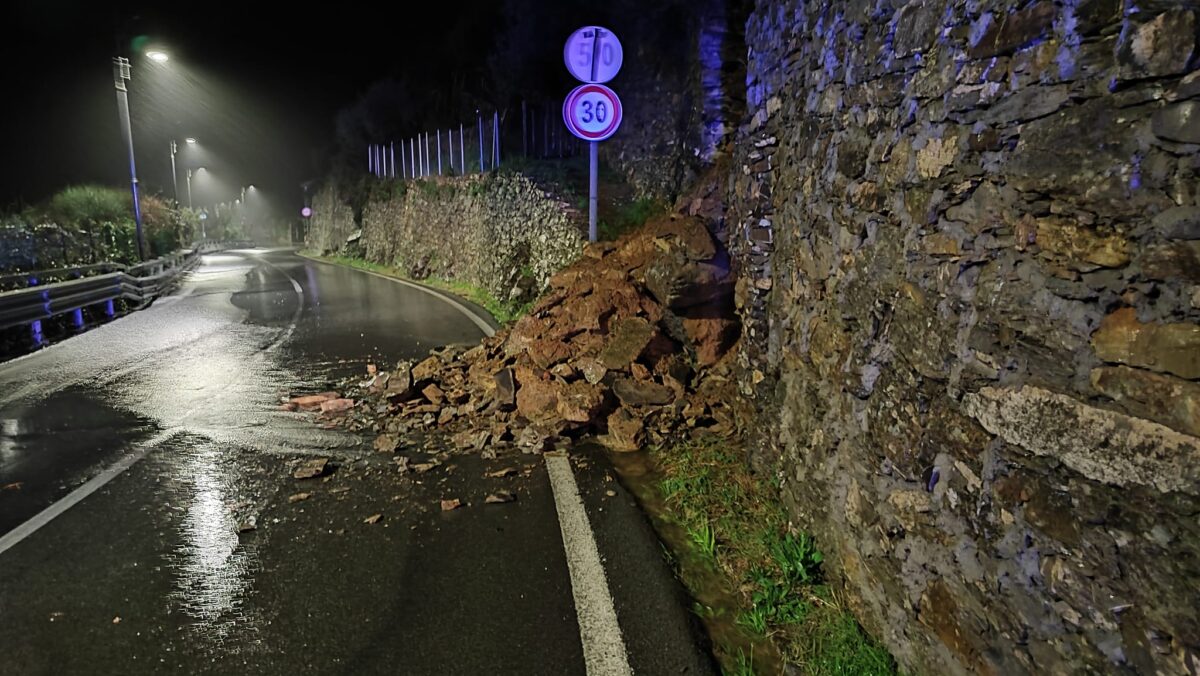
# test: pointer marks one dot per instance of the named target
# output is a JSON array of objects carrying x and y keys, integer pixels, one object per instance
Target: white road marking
[
  {"x": 603, "y": 647},
  {"x": 295, "y": 315},
  {"x": 14, "y": 536},
  {"x": 483, "y": 326}
]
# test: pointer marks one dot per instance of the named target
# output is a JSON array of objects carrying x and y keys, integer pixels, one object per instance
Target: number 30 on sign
[{"x": 592, "y": 112}]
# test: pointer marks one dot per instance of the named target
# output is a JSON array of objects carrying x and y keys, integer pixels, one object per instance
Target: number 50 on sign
[{"x": 592, "y": 112}]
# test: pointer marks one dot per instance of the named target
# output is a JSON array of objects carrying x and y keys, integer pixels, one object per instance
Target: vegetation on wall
[{"x": 87, "y": 224}]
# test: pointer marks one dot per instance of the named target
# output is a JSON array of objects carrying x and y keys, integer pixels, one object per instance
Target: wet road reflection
[
  {"x": 212, "y": 570},
  {"x": 204, "y": 368}
]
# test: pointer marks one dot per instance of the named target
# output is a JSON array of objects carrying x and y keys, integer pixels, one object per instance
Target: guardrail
[{"x": 140, "y": 284}]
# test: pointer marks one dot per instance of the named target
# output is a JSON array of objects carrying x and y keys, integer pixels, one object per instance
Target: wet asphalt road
[{"x": 150, "y": 574}]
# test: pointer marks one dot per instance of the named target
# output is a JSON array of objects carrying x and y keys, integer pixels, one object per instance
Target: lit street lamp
[
  {"x": 174, "y": 177},
  {"x": 120, "y": 77}
]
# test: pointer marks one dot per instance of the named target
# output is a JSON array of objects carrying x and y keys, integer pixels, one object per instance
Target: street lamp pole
[
  {"x": 120, "y": 77},
  {"x": 189, "y": 188},
  {"x": 174, "y": 176}
]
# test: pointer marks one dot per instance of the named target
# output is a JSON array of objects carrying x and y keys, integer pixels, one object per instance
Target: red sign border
[{"x": 589, "y": 88}]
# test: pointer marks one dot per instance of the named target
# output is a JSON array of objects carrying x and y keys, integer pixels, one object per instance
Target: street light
[
  {"x": 121, "y": 73},
  {"x": 158, "y": 56},
  {"x": 174, "y": 177}
]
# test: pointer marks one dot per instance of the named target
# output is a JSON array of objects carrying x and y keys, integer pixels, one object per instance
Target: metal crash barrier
[{"x": 108, "y": 282}]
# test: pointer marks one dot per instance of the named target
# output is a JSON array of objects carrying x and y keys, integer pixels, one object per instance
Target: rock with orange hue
[
  {"x": 537, "y": 399},
  {"x": 579, "y": 402},
  {"x": 625, "y": 431},
  {"x": 711, "y": 337}
]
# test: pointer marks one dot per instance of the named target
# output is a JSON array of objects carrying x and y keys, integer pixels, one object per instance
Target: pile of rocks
[{"x": 628, "y": 345}]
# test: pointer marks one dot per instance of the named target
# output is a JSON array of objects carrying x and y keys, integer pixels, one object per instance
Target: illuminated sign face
[
  {"x": 593, "y": 54},
  {"x": 592, "y": 112},
  {"x": 306, "y": 212}
]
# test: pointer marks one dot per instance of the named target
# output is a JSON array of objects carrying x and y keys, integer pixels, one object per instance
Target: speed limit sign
[
  {"x": 592, "y": 112},
  {"x": 593, "y": 54}
]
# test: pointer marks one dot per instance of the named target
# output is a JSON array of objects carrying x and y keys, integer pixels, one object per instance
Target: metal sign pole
[{"x": 593, "y": 189}]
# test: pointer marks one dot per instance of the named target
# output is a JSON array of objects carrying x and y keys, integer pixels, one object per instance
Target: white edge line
[
  {"x": 483, "y": 326},
  {"x": 603, "y": 647},
  {"x": 14, "y": 536}
]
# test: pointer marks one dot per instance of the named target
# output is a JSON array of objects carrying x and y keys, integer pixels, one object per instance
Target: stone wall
[
  {"x": 680, "y": 97},
  {"x": 969, "y": 234},
  {"x": 498, "y": 231}
]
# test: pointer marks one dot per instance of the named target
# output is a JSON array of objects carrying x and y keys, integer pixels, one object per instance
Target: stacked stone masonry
[
  {"x": 500, "y": 232},
  {"x": 969, "y": 240}
]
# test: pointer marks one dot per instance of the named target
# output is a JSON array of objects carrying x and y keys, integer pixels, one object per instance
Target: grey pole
[
  {"x": 450, "y": 143},
  {"x": 479, "y": 121},
  {"x": 120, "y": 77},
  {"x": 428, "y": 163},
  {"x": 189, "y": 186},
  {"x": 524, "y": 133},
  {"x": 439, "y": 146},
  {"x": 462, "y": 150},
  {"x": 593, "y": 189},
  {"x": 403, "y": 162},
  {"x": 496, "y": 139},
  {"x": 412, "y": 157},
  {"x": 174, "y": 176}
]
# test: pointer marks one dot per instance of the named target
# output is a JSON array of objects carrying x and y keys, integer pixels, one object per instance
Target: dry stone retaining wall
[
  {"x": 499, "y": 231},
  {"x": 969, "y": 238}
]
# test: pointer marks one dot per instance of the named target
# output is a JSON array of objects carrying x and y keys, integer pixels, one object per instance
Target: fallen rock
[
  {"x": 433, "y": 393},
  {"x": 506, "y": 387},
  {"x": 642, "y": 392},
  {"x": 592, "y": 369},
  {"x": 450, "y": 505},
  {"x": 625, "y": 431},
  {"x": 386, "y": 443},
  {"x": 313, "y": 400},
  {"x": 311, "y": 469},
  {"x": 500, "y": 497},
  {"x": 629, "y": 338},
  {"x": 579, "y": 402},
  {"x": 337, "y": 405},
  {"x": 299, "y": 497},
  {"x": 537, "y": 398},
  {"x": 374, "y": 518},
  {"x": 426, "y": 369}
]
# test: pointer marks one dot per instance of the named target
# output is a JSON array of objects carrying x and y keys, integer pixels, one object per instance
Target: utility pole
[{"x": 120, "y": 77}]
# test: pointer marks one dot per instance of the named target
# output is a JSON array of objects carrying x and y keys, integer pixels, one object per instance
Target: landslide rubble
[{"x": 628, "y": 346}]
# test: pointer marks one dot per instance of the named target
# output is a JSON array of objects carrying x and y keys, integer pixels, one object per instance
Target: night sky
[{"x": 260, "y": 88}]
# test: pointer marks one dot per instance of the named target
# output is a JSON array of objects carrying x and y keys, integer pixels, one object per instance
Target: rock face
[
  {"x": 681, "y": 101},
  {"x": 966, "y": 237},
  {"x": 500, "y": 231}
]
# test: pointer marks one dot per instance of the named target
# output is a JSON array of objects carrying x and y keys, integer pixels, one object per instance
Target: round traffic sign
[
  {"x": 593, "y": 54},
  {"x": 592, "y": 112}
]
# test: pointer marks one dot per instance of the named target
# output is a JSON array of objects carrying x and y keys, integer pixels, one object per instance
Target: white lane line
[
  {"x": 483, "y": 326},
  {"x": 603, "y": 647},
  {"x": 299, "y": 306},
  {"x": 11, "y": 538}
]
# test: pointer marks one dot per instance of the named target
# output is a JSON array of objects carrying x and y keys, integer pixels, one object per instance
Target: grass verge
[
  {"x": 503, "y": 312},
  {"x": 737, "y": 526}
]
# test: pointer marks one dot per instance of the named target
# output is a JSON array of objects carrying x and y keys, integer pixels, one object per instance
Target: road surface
[{"x": 149, "y": 522}]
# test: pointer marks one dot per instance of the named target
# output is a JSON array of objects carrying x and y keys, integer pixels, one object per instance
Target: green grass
[
  {"x": 629, "y": 216},
  {"x": 736, "y": 521},
  {"x": 503, "y": 312}
]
